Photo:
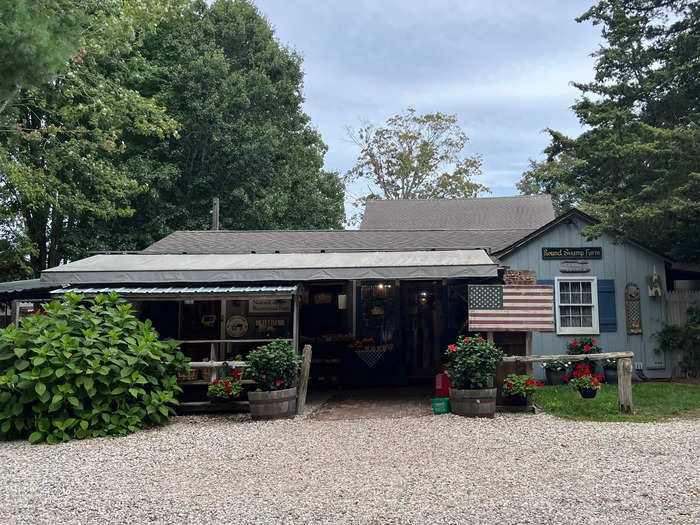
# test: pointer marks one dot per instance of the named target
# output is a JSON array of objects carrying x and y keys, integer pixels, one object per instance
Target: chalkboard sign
[{"x": 594, "y": 252}]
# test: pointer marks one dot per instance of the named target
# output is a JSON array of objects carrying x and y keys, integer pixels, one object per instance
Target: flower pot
[
  {"x": 555, "y": 377},
  {"x": 517, "y": 401},
  {"x": 479, "y": 402},
  {"x": 610, "y": 375},
  {"x": 219, "y": 400},
  {"x": 588, "y": 393},
  {"x": 275, "y": 404}
]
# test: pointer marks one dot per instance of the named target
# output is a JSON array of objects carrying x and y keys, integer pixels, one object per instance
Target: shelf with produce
[{"x": 202, "y": 382}]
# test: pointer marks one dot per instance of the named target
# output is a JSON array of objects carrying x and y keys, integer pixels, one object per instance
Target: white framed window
[{"x": 576, "y": 305}]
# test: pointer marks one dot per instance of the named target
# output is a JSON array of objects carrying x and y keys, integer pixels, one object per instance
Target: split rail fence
[
  {"x": 624, "y": 370},
  {"x": 302, "y": 387}
]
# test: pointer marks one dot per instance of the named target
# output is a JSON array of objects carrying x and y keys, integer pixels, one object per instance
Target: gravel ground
[{"x": 513, "y": 469}]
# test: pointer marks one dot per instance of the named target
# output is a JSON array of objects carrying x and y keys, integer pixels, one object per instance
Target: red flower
[
  {"x": 227, "y": 383},
  {"x": 466, "y": 339},
  {"x": 228, "y": 388},
  {"x": 216, "y": 382},
  {"x": 593, "y": 341},
  {"x": 509, "y": 384},
  {"x": 529, "y": 382},
  {"x": 481, "y": 339},
  {"x": 574, "y": 342},
  {"x": 539, "y": 383},
  {"x": 591, "y": 378},
  {"x": 235, "y": 373},
  {"x": 453, "y": 348},
  {"x": 566, "y": 379},
  {"x": 278, "y": 382},
  {"x": 596, "y": 383},
  {"x": 599, "y": 377}
]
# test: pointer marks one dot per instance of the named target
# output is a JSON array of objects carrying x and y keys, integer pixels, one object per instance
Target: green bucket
[{"x": 441, "y": 405}]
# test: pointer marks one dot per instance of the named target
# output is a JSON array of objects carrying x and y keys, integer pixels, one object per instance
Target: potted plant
[
  {"x": 518, "y": 389},
  {"x": 582, "y": 380},
  {"x": 275, "y": 369},
  {"x": 225, "y": 389},
  {"x": 610, "y": 371},
  {"x": 472, "y": 362},
  {"x": 584, "y": 346},
  {"x": 555, "y": 371}
]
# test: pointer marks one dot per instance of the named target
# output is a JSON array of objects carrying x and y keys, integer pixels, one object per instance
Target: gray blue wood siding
[{"x": 621, "y": 264}]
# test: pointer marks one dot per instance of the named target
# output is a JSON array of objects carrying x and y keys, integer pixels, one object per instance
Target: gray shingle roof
[
  {"x": 492, "y": 213},
  {"x": 310, "y": 241}
]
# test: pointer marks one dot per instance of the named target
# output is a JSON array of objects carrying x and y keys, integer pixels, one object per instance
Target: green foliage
[
  {"x": 547, "y": 177},
  {"x": 637, "y": 165},
  {"x": 582, "y": 346},
  {"x": 556, "y": 366},
  {"x": 415, "y": 157},
  {"x": 36, "y": 39},
  {"x": 85, "y": 369},
  {"x": 225, "y": 388},
  {"x": 520, "y": 385},
  {"x": 66, "y": 147},
  {"x": 684, "y": 339},
  {"x": 472, "y": 362},
  {"x": 652, "y": 402},
  {"x": 583, "y": 379},
  {"x": 274, "y": 366}
]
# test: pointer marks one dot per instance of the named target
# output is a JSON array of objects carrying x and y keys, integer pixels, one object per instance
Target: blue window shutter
[{"x": 607, "y": 318}]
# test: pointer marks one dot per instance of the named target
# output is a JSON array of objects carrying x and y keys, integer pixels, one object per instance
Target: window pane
[
  {"x": 586, "y": 286},
  {"x": 576, "y": 321},
  {"x": 564, "y": 286},
  {"x": 587, "y": 298},
  {"x": 587, "y": 321},
  {"x": 565, "y": 297},
  {"x": 566, "y": 321},
  {"x": 575, "y": 286}
]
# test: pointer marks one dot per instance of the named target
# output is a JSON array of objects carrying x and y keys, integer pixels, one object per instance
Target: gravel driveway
[{"x": 442, "y": 469}]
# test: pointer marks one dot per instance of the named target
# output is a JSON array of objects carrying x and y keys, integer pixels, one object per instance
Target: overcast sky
[{"x": 503, "y": 67}]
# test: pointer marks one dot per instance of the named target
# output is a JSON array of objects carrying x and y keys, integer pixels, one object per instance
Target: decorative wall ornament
[
  {"x": 633, "y": 309},
  {"x": 575, "y": 267},
  {"x": 654, "y": 282}
]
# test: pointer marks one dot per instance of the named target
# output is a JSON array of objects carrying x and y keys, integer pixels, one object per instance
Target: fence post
[
  {"x": 624, "y": 384},
  {"x": 303, "y": 378}
]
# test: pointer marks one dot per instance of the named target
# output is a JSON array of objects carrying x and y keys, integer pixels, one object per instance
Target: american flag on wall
[{"x": 511, "y": 308}]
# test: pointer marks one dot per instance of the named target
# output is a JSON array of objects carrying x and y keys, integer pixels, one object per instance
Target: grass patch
[{"x": 652, "y": 402}]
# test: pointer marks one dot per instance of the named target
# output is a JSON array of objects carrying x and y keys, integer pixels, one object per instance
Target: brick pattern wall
[{"x": 520, "y": 277}]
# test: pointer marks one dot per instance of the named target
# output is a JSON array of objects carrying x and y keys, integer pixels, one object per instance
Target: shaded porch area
[{"x": 375, "y": 403}]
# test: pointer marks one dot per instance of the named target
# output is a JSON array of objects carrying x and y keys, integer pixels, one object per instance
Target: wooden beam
[
  {"x": 218, "y": 364},
  {"x": 624, "y": 385},
  {"x": 303, "y": 379},
  {"x": 566, "y": 357}
]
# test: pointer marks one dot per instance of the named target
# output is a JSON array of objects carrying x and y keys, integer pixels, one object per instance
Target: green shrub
[
  {"x": 685, "y": 339},
  {"x": 274, "y": 366},
  {"x": 85, "y": 369},
  {"x": 472, "y": 362}
]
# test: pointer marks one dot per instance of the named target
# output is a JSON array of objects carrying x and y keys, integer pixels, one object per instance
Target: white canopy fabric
[{"x": 206, "y": 268}]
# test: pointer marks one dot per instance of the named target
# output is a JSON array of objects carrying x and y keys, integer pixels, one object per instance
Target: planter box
[
  {"x": 473, "y": 403},
  {"x": 275, "y": 404}
]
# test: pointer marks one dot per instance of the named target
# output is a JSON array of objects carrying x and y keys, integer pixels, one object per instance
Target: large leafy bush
[
  {"x": 274, "y": 366},
  {"x": 684, "y": 339},
  {"x": 472, "y": 362},
  {"x": 84, "y": 369}
]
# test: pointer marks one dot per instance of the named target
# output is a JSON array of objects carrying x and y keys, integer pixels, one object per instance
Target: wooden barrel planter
[
  {"x": 276, "y": 404},
  {"x": 473, "y": 403}
]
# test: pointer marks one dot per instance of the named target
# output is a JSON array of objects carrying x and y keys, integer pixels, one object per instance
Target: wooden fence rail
[{"x": 624, "y": 370}]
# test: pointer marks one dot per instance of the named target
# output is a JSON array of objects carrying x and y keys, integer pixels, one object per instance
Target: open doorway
[{"x": 421, "y": 308}]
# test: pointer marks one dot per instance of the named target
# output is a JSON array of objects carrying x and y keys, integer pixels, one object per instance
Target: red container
[{"x": 442, "y": 383}]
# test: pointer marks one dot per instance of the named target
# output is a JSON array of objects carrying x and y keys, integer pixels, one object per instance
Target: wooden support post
[
  {"x": 14, "y": 309},
  {"x": 624, "y": 384},
  {"x": 489, "y": 337},
  {"x": 528, "y": 351},
  {"x": 295, "y": 322},
  {"x": 303, "y": 379}
]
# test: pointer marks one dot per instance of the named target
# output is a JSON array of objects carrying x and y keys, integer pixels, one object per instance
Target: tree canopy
[
  {"x": 167, "y": 104},
  {"x": 414, "y": 157},
  {"x": 637, "y": 165}
]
